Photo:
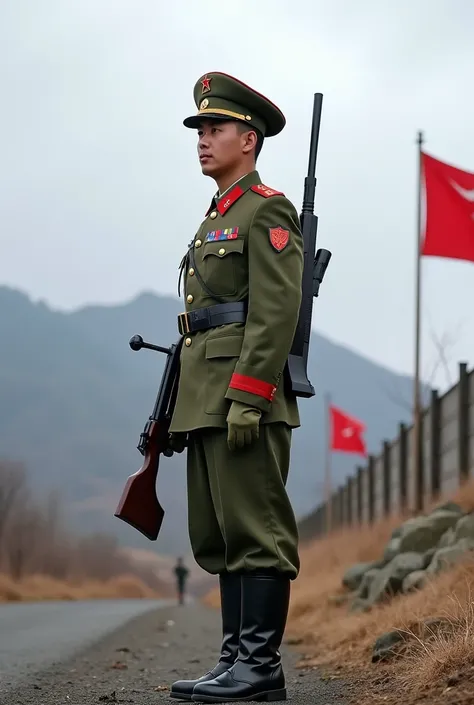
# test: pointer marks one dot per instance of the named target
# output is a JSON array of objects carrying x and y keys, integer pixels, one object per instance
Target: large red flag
[
  {"x": 449, "y": 210},
  {"x": 346, "y": 432}
]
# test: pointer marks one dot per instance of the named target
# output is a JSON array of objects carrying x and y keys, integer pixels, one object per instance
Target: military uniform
[{"x": 242, "y": 278}]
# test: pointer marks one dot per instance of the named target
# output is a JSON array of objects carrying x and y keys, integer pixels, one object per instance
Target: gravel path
[
  {"x": 137, "y": 663},
  {"x": 35, "y": 635}
]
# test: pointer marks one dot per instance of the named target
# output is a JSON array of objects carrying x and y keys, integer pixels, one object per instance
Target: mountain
[{"x": 74, "y": 399}]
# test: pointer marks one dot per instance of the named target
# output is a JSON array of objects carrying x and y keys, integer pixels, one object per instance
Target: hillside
[{"x": 74, "y": 399}]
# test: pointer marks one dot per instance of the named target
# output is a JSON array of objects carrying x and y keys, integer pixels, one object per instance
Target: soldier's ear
[{"x": 249, "y": 140}]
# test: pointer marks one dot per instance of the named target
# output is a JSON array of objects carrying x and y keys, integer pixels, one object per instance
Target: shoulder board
[{"x": 265, "y": 191}]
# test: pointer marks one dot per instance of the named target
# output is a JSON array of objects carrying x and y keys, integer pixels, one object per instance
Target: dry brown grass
[
  {"x": 42, "y": 558},
  {"x": 330, "y": 637},
  {"x": 42, "y": 587}
]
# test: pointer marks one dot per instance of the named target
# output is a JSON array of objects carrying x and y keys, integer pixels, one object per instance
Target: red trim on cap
[
  {"x": 227, "y": 201},
  {"x": 265, "y": 191},
  {"x": 252, "y": 385}
]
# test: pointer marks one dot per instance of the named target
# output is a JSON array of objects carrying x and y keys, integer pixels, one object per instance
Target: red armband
[{"x": 253, "y": 386}]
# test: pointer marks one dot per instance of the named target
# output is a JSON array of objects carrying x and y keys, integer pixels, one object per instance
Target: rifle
[
  {"x": 139, "y": 505},
  {"x": 314, "y": 269}
]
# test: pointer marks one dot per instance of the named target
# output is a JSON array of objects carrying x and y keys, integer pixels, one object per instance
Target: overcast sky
[{"x": 100, "y": 189}]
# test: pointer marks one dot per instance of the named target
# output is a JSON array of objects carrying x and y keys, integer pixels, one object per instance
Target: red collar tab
[
  {"x": 229, "y": 199},
  {"x": 265, "y": 191}
]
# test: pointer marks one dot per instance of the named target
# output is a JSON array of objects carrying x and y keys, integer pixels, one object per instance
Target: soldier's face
[{"x": 221, "y": 147}]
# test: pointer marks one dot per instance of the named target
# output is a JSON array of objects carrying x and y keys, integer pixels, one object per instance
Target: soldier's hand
[
  {"x": 242, "y": 425},
  {"x": 177, "y": 442}
]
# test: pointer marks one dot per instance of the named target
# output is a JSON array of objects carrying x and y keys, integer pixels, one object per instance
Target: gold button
[
  {"x": 222, "y": 251},
  {"x": 198, "y": 243},
  {"x": 191, "y": 272},
  {"x": 190, "y": 298},
  {"x": 213, "y": 215},
  {"x": 187, "y": 342}
]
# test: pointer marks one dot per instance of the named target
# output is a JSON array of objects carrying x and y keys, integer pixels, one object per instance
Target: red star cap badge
[{"x": 206, "y": 84}]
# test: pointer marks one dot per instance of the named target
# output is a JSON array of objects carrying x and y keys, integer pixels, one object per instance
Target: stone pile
[{"x": 421, "y": 547}]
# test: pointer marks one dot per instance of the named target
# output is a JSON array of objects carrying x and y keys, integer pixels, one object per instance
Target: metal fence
[{"x": 387, "y": 484}]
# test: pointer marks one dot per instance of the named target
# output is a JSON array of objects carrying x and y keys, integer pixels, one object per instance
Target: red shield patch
[{"x": 279, "y": 238}]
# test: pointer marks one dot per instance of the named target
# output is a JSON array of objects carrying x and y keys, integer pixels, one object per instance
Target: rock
[
  {"x": 448, "y": 538},
  {"x": 449, "y": 556},
  {"x": 364, "y": 587},
  {"x": 360, "y": 605},
  {"x": 294, "y": 640},
  {"x": 403, "y": 528},
  {"x": 341, "y": 599},
  {"x": 392, "y": 644},
  {"x": 389, "y": 645},
  {"x": 428, "y": 557},
  {"x": 390, "y": 579},
  {"x": 434, "y": 626},
  {"x": 352, "y": 578},
  {"x": 449, "y": 507},
  {"x": 396, "y": 533},
  {"x": 425, "y": 533},
  {"x": 465, "y": 528},
  {"x": 391, "y": 549},
  {"x": 414, "y": 581}
]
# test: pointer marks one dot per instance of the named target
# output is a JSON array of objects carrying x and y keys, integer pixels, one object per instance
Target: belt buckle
[{"x": 183, "y": 323}]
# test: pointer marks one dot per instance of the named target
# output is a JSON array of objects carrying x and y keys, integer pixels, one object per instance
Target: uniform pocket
[
  {"x": 221, "y": 260},
  {"x": 221, "y": 358}
]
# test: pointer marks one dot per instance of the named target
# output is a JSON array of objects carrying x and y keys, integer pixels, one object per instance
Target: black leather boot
[
  {"x": 257, "y": 673},
  {"x": 231, "y": 595}
]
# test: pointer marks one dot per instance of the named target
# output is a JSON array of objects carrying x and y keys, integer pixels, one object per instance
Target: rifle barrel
[
  {"x": 310, "y": 180},
  {"x": 313, "y": 148}
]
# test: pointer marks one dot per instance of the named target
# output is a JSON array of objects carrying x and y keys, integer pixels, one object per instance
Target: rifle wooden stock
[{"x": 139, "y": 505}]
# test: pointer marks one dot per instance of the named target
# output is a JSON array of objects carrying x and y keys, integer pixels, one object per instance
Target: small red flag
[
  {"x": 449, "y": 211},
  {"x": 346, "y": 432}
]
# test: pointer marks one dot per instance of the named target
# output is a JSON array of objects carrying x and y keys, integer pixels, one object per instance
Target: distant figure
[{"x": 181, "y": 573}]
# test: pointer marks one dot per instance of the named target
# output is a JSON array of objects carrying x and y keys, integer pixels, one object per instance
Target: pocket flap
[
  {"x": 222, "y": 248},
  {"x": 227, "y": 346}
]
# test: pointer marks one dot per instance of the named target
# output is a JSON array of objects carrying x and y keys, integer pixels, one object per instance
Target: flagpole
[
  {"x": 416, "y": 391},
  {"x": 327, "y": 460}
]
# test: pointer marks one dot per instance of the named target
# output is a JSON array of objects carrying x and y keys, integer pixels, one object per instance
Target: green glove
[
  {"x": 178, "y": 441},
  {"x": 242, "y": 425}
]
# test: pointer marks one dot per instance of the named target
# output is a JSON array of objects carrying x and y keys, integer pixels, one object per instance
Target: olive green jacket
[{"x": 249, "y": 247}]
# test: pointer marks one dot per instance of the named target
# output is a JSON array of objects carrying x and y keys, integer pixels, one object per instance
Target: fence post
[
  {"x": 335, "y": 509},
  {"x": 402, "y": 469},
  {"x": 349, "y": 499},
  {"x": 435, "y": 466},
  {"x": 463, "y": 420},
  {"x": 371, "y": 468},
  {"x": 324, "y": 518},
  {"x": 316, "y": 521},
  {"x": 339, "y": 507},
  {"x": 343, "y": 504},
  {"x": 386, "y": 478},
  {"x": 419, "y": 467},
  {"x": 359, "y": 495}
]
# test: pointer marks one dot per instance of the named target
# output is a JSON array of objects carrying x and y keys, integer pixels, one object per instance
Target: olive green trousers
[{"x": 240, "y": 516}]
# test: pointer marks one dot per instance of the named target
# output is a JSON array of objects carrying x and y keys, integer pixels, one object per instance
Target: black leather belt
[{"x": 212, "y": 316}]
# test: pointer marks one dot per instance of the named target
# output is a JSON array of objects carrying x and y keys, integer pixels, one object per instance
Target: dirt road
[{"x": 136, "y": 662}]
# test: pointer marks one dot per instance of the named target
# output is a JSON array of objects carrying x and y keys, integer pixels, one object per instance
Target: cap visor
[{"x": 195, "y": 120}]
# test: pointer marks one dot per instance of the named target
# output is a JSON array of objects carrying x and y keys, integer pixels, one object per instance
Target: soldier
[
  {"x": 181, "y": 573},
  {"x": 242, "y": 278}
]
